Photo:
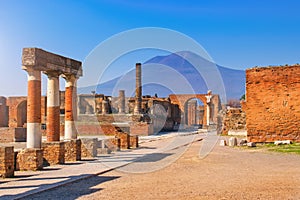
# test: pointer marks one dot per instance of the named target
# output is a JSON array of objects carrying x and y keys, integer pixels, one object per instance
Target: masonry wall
[{"x": 272, "y": 103}]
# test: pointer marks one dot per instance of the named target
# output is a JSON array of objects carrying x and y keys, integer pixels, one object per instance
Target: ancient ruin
[
  {"x": 54, "y": 116},
  {"x": 272, "y": 107}
]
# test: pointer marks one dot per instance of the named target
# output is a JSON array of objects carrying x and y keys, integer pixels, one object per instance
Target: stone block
[
  {"x": 89, "y": 147},
  {"x": 232, "y": 141},
  {"x": 29, "y": 159},
  {"x": 73, "y": 150},
  {"x": 251, "y": 144},
  {"x": 54, "y": 153},
  {"x": 282, "y": 142},
  {"x": 223, "y": 143},
  {"x": 243, "y": 142},
  {"x": 113, "y": 144},
  {"x": 7, "y": 168}
]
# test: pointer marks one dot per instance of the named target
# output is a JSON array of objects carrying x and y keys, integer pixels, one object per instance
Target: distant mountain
[{"x": 182, "y": 72}]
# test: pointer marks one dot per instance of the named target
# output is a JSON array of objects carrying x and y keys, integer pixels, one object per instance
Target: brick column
[
  {"x": 34, "y": 136},
  {"x": 53, "y": 107},
  {"x": 70, "y": 107},
  {"x": 121, "y": 101},
  {"x": 138, "y": 89}
]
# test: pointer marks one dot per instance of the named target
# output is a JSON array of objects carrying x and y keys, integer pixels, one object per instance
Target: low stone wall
[
  {"x": 54, "y": 153},
  {"x": 7, "y": 168},
  {"x": 9, "y": 134},
  {"x": 141, "y": 128},
  {"x": 234, "y": 122},
  {"x": 73, "y": 150},
  {"x": 29, "y": 159}
]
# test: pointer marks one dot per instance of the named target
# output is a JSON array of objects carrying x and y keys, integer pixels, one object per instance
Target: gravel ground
[{"x": 226, "y": 173}]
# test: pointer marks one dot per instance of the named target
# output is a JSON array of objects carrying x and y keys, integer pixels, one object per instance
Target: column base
[
  {"x": 73, "y": 150},
  {"x": 7, "y": 168},
  {"x": 125, "y": 140},
  {"x": 29, "y": 159},
  {"x": 89, "y": 147},
  {"x": 134, "y": 141},
  {"x": 54, "y": 153}
]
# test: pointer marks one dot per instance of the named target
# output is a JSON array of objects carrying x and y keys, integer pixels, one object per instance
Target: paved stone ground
[
  {"x": 27, "y": 183},
  {"x": 226, "y": 173}
]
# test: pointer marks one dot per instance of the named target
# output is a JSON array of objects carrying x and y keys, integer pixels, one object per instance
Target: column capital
[{"x": 52, "y": 74}]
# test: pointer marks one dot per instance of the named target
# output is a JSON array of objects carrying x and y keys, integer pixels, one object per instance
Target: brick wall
[
  {"x": 272, "y": 103},
  {"x": 8, "y": 134},
  {"x": 141, "y": 128},
  {"x": 3, "y": 115}
]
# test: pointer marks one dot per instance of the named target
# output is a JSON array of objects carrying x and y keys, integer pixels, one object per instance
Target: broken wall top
[{"x": 41, "y": 60}]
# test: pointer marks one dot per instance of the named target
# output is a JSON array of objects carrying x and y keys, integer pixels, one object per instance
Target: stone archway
[
  {"x": 214, "y": 105},
  {"x": 22, "y": 113}
]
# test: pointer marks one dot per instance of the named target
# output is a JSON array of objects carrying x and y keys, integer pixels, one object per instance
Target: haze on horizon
[{"x": 236, "y": 34}]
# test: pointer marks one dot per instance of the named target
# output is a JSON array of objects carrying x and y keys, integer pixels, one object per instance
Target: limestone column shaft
[
  {"x": 70, "y": 107},
  {"x": 53, "y": 108},
  {"x": 121, "y": 101},
  {"x": 34, "y": 136},
  {"x": 138, "y": 89}
]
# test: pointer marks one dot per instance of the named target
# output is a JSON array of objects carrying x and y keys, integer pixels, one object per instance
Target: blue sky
[{"x": 236, "y": 34}]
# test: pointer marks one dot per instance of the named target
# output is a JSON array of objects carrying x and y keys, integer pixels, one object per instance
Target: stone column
[
  {"x": 105, "y": 106},
  {"x": 34, "y": 136},
  {"x": 138, "y": 89},
  {"x": 53, "y": 107},
  {"x": 208, "y": 102},
  {"x": 121, "y": 101},
  {"x": 70, "y": 107}
]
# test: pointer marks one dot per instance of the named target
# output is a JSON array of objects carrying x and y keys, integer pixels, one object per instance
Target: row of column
[{"x": 34, "y": 136}]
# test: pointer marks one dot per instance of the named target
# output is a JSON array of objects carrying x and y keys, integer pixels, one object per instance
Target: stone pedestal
[
  {"x": 124, "y": 140},
  {"x": 73, "y": 150},
  {"x": 29, "y": 159},
  {"x": 114, "y": 144},
  {"x": 54, "y": 153},
  {"x": 7, "y": 168},
  {"x": 134, "y": 141},
  {"x": 89, "y": 147}
]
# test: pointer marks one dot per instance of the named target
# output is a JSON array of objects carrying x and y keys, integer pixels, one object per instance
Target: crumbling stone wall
[
  {"x": 272, "y": 103},
  {"x": 234, "y": 121}
]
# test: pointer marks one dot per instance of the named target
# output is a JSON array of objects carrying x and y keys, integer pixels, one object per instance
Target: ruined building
[{"x": 272, "y": 103}]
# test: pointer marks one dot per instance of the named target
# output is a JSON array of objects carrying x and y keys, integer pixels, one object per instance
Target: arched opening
[
  {"x": 194, "y": 113},
  {"x": 21, "y": 113}
]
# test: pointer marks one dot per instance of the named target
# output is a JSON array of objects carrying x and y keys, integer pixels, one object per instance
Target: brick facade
[{"x": 272, "y": 103}]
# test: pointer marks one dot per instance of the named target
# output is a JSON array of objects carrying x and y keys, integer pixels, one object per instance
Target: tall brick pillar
[
  {"x": 53, "y": 107},
  {"x": 138, "y": 89},
  {"x": 70, "y": 107},
  {"x": 34, "y": 136},
  {"x": 121, "y": 101}
]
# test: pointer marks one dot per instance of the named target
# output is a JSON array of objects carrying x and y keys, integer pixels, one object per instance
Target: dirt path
[{"x": 226, "y": 173}]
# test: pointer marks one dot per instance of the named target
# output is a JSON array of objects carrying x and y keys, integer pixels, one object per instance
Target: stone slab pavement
[{"x": 153, "y": 154}]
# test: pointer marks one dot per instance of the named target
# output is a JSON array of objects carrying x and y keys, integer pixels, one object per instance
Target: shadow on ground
[{"x": 83, "y": 186}]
